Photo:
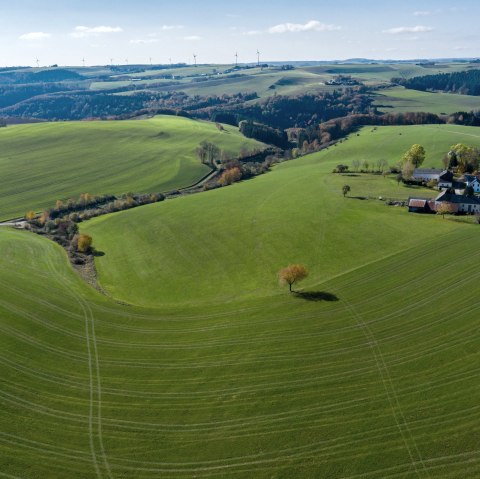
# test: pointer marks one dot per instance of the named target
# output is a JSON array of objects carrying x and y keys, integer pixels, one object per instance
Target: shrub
[
  {"x": 230, "y": 176},
  {"x": 84, "y": 243}
]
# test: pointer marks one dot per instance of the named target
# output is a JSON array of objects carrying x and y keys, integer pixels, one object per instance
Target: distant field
[
  {"x": 44, "y": 162},
  {"x": 272, "y": 80},
  {"x": 224, "y": 374},
  {"x": 264, "y": 83},
  {"x": 223, "y": 259},
  {"x": 374, "y": 74},
  {"x": 400, "y": 99}
]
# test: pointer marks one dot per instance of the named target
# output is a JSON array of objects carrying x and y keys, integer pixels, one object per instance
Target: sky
[{"x": 65, "y": 32}]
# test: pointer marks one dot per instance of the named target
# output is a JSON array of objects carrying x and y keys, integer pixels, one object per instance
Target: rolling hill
[
  {"x": 370, "y": 372},
  {"x": 240, "y": 236},
  {"x": 40, "y": 163},
  {"x": 374, "y": 374}
]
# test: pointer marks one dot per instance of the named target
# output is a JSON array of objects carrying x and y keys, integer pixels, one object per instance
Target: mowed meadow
[
  {"x": 230, "y": 243},
  {"x": 40, "y": 163},
  {"x": 200, "y": 365}
]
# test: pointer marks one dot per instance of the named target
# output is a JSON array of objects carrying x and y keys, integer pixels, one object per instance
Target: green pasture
[
  {"x": 201, "y": 365},
  {"x": 40, "y": 163},
  {"x": 373, "y": 375},
  {"x": 238, "y": 237},
  {"x": 399, "y": 99}
]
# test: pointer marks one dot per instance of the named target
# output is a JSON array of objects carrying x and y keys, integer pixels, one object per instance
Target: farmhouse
[
  {"x": 427, "y": 174},
  {"x": 445, "y": 179},
  {"x": 460, "y": 203},
  {"x": 473, "y": 181}
]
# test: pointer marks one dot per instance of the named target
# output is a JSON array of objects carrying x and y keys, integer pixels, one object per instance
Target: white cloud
[
  {"x": 172, "y": 27},
  {"x": 401, "y": 30},
  {"x": 192, "y": 38},
  {"x": 144, "y": 41},
  {"x": 82, "y": 31},
  {"x": 421, "y": 13},
  {"x": 312, "y": 25},
  {"x": 32, "y": 36}
]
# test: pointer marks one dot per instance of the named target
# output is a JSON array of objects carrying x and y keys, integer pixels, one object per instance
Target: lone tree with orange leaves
[{"x": 292, "y": 274}]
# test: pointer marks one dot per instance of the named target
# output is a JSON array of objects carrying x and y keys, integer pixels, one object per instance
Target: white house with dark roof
[
  {"x": 460, "y": 203},
  {"x": 427, "y": 174},
  {"x": 473, "y": 181}
]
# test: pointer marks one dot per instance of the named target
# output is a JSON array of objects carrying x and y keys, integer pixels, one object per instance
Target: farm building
[
  {"x": 461, "y": 203},
  {"x": 421, "y": 205},
  {"x": 427, "y": 174},
  {"x": 473, "y": 181},
  {"x": 445, "y": 179}
]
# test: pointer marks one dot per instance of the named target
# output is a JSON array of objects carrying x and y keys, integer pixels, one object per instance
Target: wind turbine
[
  {"x": 111, "y": 61},
  {"x": 150, "y": 60},
  {"x": 126, "y": 61},
  {"x": 195, "y": 59},
  {"x": 236, "y": 59},
  {"x": 83, "y": 61},
  {"x": 258, "y": 58},
  {"x": 37, "y": 61}
]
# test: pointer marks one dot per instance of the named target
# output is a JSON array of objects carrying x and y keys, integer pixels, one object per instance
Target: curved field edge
[
  {"x": 229, "y": 244},
  {"x": 380, "y": 383},
  {"x": 400, "y": 99},
  {"x": 40, "y": 163}
]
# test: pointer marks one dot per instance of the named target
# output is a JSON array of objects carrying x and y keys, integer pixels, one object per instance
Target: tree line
[{"x": 465, "y": 83}]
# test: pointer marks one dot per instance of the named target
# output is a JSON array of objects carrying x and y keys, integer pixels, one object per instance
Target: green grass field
[
  {"x": 216, "y": 371},
  {"x": 237, "y": 235},
  {"x": 400, "y": 99},
  {"x": 40, "y": 163}
]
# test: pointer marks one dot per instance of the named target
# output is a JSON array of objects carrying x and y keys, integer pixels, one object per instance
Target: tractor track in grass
[
  {"x": 94, "y": 370},
  {"x": 395, "y": 326},
  {"x": 387, "y": 382}
]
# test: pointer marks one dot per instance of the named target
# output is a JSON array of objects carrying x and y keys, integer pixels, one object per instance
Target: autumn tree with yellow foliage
[{"x": 292, "y": 274}]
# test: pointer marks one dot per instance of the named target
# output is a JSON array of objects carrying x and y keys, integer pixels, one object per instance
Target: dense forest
[
  {"x": 43, "y": 76},
  {"x": 465, "y": 83},
  {"x": 279, "y": 112}
]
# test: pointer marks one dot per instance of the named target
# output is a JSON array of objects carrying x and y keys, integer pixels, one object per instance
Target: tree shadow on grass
[
  {"x": 98, "y": 253},
  {"x": 315, "y": 296}
]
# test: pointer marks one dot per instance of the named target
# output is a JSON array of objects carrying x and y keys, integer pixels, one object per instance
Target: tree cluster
[
  {"x": 264, "y": 133},
  {"x": 465, "y": 159},
  {"x": 465, "y": 83},
  {"x": 89, "y": 206}
]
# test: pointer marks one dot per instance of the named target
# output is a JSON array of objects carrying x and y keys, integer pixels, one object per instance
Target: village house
[
  {"x": 473, "y": 181},
  {"x": 427, "y": 174},
  {"x": 458, "y": 203},
  {"x": 445, "y": 179}
]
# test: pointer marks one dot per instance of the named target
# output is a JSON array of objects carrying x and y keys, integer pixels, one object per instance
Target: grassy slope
[
  {"x": 400, "y": 99},
  {"x": 240, "y": 236},
  {"x": 44, "y": 162},
  {"x": 381, "y": 383}
]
